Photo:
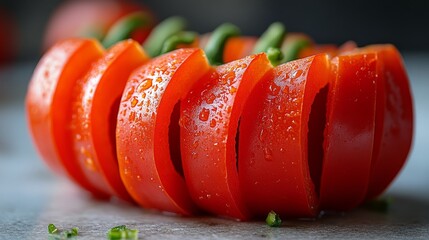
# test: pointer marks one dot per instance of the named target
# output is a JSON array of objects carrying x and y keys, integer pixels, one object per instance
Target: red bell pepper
[
  {"x": 209, "y": 122},
  {"x": 277, "y": 170},
  {"x": 95, "y": 108},
  {"x": 142, "y": 134}
]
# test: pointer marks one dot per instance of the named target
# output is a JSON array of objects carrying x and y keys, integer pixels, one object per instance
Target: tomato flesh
[
  {"x": 273, "y": 159},
  {"x": 349, "y": 133},
  {"x": 396, "y": 130},
  {"x": 238, "y": 47},
  {"x": 49, "y": 104},
  {"x": 142, "y": 132},
  {"x": 95, "y": 109},
  {"x": 209, "y": 122}
]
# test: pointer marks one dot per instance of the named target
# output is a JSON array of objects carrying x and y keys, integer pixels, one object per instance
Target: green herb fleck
[
  {"x": 54, "y": 233},
  {"x": 273, "y": 219},
  {"x": 52, "y": 229},
  {"x": 122, "y": 232}
]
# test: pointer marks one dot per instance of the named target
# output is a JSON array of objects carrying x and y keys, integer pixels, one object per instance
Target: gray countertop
[{"x": 31, "y": 196}]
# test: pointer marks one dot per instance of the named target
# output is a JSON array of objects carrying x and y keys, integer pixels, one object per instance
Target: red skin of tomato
[
  {"x": 396, "y": 130},
  {"x": 142, "y": 133},
  {"x": 209, "y": 122},
  {"x": 78, "y": 18},
  {"x": 49, "y": 104},
  {"x": 95, "y": 109},
  {"x": 349, "y": 133},
  {"x": 274, "y": 161}
]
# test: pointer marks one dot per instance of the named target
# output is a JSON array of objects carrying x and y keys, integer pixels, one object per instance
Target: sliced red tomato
[
  {"x": 49, "y": 104},
  {"x": 238, "y": 47},
  {"x": 209, "y": 122},
  {"x": 95, "y": 110},
  {"x": 78, "y": 18},
  {"x": 330, "y": 49},
  {"x": 280, "y": 139},
  {"x": 396, "y": 130},
  {"x": 142, "y": 133},
  {"x": 350, "y": 131}
]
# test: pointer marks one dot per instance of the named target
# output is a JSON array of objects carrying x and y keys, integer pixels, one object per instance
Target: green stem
[
  {"x": 275, "y": 56},
  {"x": 216, "y": 44},
  {"x": 172, "y": 42},
  {"x": 154, "y": 43},
  {"x": 125, "y": 26},
  {"x": 271, "y": 38},
  {"x": 291, "y": 49}
]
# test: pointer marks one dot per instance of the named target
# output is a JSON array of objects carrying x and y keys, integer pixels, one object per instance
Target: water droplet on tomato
[
  {"x": 274, "y": 89},
  {"x": 252, "y": 162},
  {"x": 89, "y": 163},
  {"x": 268, "y": 154},
  {"x": 232, "y": 90},
  {"x": 204, "y": 114},
  {"x": 132, "y": 116},
  {"x": 262, "y": 135},
  {"x": 129, "y": 94},
  {"x": 78, "y": 136},
  {"x": 144, "y": 85},
  {"x": 134, "y": 102},
  {"x": 209, "y": 98},
  {"x": 296, "y": 73},
  {"x": 213, "y": 123}
]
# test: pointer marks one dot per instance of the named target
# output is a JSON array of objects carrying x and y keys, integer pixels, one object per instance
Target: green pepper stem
[
  {"x": 170, "y": 26},
  {"x": 275, "y": 56},
  {"x": 291, "y": 49},
  {"x": 125, "y": 26},
  {"x": 215, "y": 46},
  {"x": 172, "y": 42},
  {"x": 271, "y": 38}
]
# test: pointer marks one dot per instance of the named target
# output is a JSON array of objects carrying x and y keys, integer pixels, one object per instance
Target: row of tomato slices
[{"x": 176, "y": 134}]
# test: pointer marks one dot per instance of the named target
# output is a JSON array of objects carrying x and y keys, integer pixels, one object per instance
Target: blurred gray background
[{"x": 403, "y": 23}]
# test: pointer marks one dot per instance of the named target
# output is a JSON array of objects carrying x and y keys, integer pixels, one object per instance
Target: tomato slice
[
  {"x": 142, "y": 132},
  {"x": 350, "y": 131},
  {"x": 95, "y": 108},
  {"x": 276, "y": 163},
  {"x": 396, "y": 129},
  {"x": 330, "y": 49},
  {"x": 238, "y": 47},
  {"x": 49, "y": 101},
  {"x": 209, "y": 122}
]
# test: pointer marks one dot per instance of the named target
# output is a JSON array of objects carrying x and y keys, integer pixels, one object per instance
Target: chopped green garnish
[
  {"x": 273, "y": 219},
  {"x": 52, "y": 229},
  {"x": 54, "y": 233},
  {"x": 71, "y": 233},
  {"x": 122, "y": 232},
  {"x": 379, "y": 205}
]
